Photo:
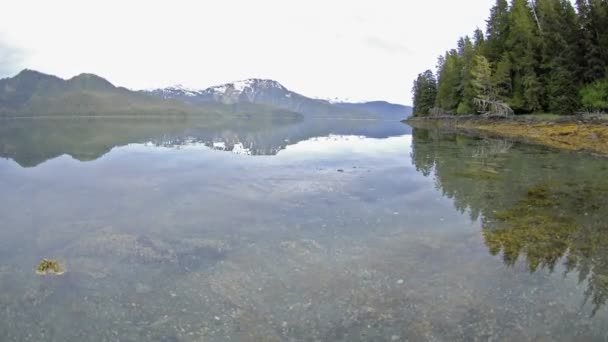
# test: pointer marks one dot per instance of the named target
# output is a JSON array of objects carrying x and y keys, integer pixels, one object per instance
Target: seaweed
[
  {"x": 534, "y": 228},
  {"x": 50, "y": 267},
  {"x": 568, "y": 136},
  {"x": 544, "y": 228}
]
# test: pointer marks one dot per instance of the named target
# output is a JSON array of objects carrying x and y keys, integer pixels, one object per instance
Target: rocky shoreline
[{"x": 575, "y": 133}]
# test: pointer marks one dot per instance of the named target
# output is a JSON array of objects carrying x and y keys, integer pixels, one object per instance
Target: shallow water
[{"x": 323, "y": 230}]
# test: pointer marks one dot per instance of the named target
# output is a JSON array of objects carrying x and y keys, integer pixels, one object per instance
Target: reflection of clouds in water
[
  {"x": 337, "y": 144},
  {"x": 240, "y": 149},
  {"x": 327, "y": 145},
  {"x": 194, "y": 144}
]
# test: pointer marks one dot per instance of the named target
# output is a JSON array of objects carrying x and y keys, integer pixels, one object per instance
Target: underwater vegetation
[
  {"x": 479, "y": 173},
  {"x": 551, "y": 223},
  {"x": 548, "y": 210},
  {"x": 50, "y": 267},
  {"x": 534, "y": 227}
]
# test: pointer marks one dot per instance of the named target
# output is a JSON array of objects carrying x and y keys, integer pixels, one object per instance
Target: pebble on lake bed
[{"x": 49, "y": 266}]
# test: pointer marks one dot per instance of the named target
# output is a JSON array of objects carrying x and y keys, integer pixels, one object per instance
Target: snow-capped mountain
[
  {"x": 176, "y": 91},
  {"x": 266, "y": 92},
  {"x": 252, "y": 90}
]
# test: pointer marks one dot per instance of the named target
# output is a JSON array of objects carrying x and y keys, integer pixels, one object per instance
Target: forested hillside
[{"x": 534, "y": 56}]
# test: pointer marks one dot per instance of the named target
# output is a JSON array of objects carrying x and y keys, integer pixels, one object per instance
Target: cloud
[
  {"x": 11, "y": 59},
  {"x": 362, "y": 49},
  {"x": 387, "y": 46}
]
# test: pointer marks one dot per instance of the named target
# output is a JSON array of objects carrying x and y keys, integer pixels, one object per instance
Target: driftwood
[
  {"x": 489, "y": 107},
  {"x": 436, "y": 111}
]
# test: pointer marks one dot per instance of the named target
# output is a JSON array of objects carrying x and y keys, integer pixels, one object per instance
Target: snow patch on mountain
[
  {"x": 177, "y": 90},
  {"x": 217, "y": 89},
  {"x": 338, "y": 100},
  {"x": 243, "y": 86}
]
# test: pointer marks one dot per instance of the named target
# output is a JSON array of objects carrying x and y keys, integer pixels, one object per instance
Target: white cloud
[
  {"x": 11, "y": 59},
  {"x": 369, "y": 49},
  {"x": 387, "y": 46}
]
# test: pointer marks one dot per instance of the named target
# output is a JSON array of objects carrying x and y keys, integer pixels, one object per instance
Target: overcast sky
[{"x": 363, "y": 50}]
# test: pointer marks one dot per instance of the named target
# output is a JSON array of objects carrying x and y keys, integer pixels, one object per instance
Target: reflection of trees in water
[
  {"x": 543, "y": 208},
  {"x": 551, "y": 223},
  {"x": 492, "y": 147}
]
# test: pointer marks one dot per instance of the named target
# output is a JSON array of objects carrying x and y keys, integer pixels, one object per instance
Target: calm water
[{"x": 270, "y": 230}]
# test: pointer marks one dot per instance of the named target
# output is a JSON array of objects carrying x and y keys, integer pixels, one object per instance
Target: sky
[{"x": 349, "y": 49}]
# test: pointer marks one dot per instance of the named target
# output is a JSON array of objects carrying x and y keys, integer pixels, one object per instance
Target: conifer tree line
[{"x": 535, "y": 56}]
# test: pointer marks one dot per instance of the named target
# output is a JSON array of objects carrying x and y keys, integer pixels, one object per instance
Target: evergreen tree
[
  {"x": 536, "y": 55},
  {"x": 497, "y": 31},
  {"x": 559, "y": 62},
  {"x": 450, "y": 78},
  {"x": 479, "y": 40},
  {"x": 481, "y": 79},
  {"x": 593, "y": 20},
  {"x": 425, "y": 91},
  {"x": 502, "y": 78},
  {"x": 466, "y": 90},
  {"x": 523, "y": 46}
]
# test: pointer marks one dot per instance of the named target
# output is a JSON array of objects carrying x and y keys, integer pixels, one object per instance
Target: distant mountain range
[
  {"x": 386, "y": 109},
  {"x": 34, "y": 93},
  {"x": 272, "y": 93}
]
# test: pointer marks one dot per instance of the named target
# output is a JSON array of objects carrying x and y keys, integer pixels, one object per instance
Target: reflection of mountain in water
[
  {"x": 31, "y": 142},
  {"x": 544, "y": 208}
]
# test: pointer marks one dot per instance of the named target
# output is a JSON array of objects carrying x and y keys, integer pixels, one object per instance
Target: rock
[{"x": 400, "y": 282}]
